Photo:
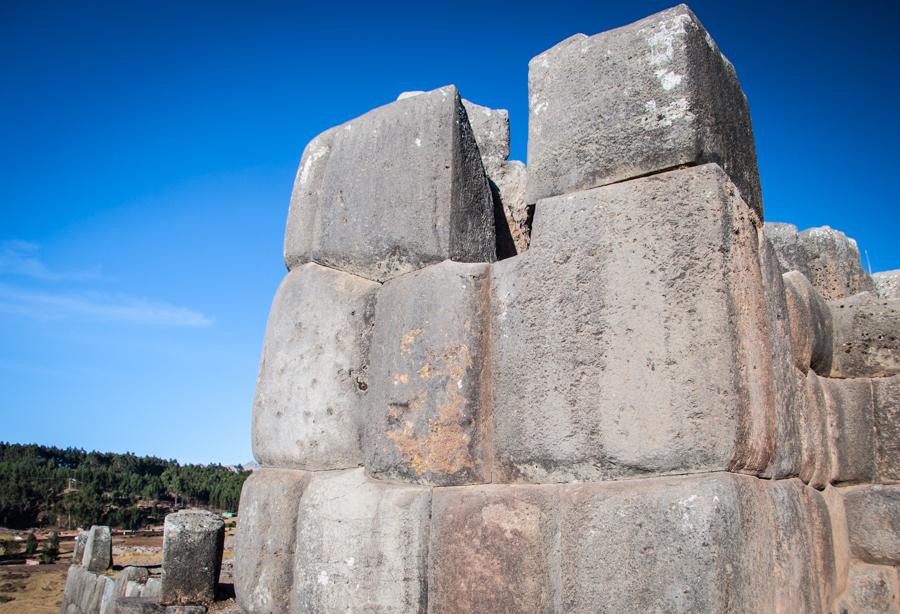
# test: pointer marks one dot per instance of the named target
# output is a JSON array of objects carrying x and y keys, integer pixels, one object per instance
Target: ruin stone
[
  {"x": 866, "y": 336},
  {"x": 887, "y": 283},
  {"x": 80, "y": 542},
  {"x": 815, "y": 463},
  {"x": 98, "y": 549},
  {"x": 394, "y": 190},
  {"x": 849, "y": 410},
  {"x": 873, "y": 523},
  {"x": 139, "y": 605},
  {"x": 129, "y": 575},
  {"x": 650, "y": 96},
  {"x": 873, "y": 589},
  {"x": 886, "y": 401},
  {"x": 186, "y": 609},
  {"x": 811, "y": 326},
  {"x": 192, "y": 555}
]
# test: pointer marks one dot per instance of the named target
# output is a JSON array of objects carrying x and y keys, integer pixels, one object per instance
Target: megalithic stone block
[
  {"x": 873, "y": 523},
  {"x": 98, "y": 549},
  {"x": 811, "y": 327},
  {"x": 866, "y": 336},
  {"x": 851, "y": 430},
  {"x": 815, "y": 464},
  {"x": 307, "y": 412},
  {"x": 650, "y": 96},
  {"x": 80, "y": 542},
  {"x": 365, "y": 545},
  {"x": 429, "y": 405},
  {"x": 266, "y": 543},
  {"x": 872, "y": 589},
  {"x": 887, "y": 283},
  {"x": 886, "y": 397},
  {"x": 192, "y": 557},
  {"x": 392, "y": 191},
  {"x": 494, "y": 549},
  {"x": 635, "y": 328}
]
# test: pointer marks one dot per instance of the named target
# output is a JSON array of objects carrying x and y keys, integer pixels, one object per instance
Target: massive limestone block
[
  {"x": 312, "y": 375},
  {"x": 508, "y": 184},
  {"x": 872, "y": 589},
  {"x": 428, "y": 413},
  {"x": 491, "y": 130},
  {"x": 866, "y": 336},
  {"x": 873, "y": 523},
  {"x": 98, "y": 549},
  {"x": 192, "y": 557},
  {"x": 886, "y": 397},
  {"x": 80, "y": 542},
  {"x": 811, "y": 327},
  {"x": 394, "y": 190},
  {"x": 266, "y": 539},
  {"x": 365, "y": 545},
  {"x": 635, "y": 330},
  {"x": 851, "y": 429},
  {"x": 815, "y": 464},
  {"x": 85, "y": 591},
  {"x": 827, "y": 257},
  {"x": 494, "y": 549},
  {"x": 650, "y": 96},
  {"x": 887, "y": 283}
]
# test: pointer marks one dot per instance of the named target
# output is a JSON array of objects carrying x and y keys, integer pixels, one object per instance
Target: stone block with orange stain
[
  {"x": 494, "y": 549},
  {"x": 428, "y": 411}
]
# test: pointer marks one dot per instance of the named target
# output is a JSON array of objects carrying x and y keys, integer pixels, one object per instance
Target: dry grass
[{"x": 34, "y": 589}]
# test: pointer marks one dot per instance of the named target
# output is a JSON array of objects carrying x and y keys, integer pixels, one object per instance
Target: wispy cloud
[
  {"x": 97, "y": 306},
  {"x": 21, "y": 258}
]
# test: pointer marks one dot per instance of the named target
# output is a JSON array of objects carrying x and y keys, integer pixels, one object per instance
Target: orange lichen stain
[
  {"x": 444, "y": 448},
  {"x": 401, "y": 378},
  {"x": 407, "y": 340}
]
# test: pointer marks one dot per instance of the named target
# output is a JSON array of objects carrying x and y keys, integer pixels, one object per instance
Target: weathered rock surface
[
  {"x": 85, "y": 592},
  {"x": 192, "y": 556},
  {"x": 186, "y": 609},
  {"x": 78, "y": 549},
  {"x": 508, "y": 185},
  {"x": 491, "y": 130},
  {"x": 631, "y": 377},
  {"x": 866, "y": 336},
  {"x": 887, "y": 283},
  {"x": 811, "y": 328},
  {"x": 392, "y": 191},
  {"x": 851, "y": 429},
  {"x": 266, "y": 539},
  {"x": 873, "y": 523},
  {"x": 647, "y": 97},
  {"x": 365, "y": 545},
  {"x": 815, "y": 464},
  {"x": 494, "y": 549},
  {"x": 428, "y": 413},
  {"x": 307, "y": 411},
  {"x": 129, "y": 575},
  {"x": 827, "y": 257},
  {"x": 98, "y": 549},
  {"x": 139, "y": 605},
  {"x": 886, "y": 397},
  {"x": 873, "y": 589}
]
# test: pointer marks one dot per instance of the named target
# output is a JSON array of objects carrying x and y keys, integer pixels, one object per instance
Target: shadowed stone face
[{"x": 192, "y": 555}]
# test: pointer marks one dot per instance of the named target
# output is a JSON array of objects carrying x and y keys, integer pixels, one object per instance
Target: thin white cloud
[
  {"x": 20, "y": 258},
  {"x": 97, "y": 306}
]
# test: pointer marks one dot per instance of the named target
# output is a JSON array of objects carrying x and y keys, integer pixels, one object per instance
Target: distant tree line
[{"x": 46, "y": 486}]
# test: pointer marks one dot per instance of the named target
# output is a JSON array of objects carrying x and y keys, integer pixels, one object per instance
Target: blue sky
[{"x": 148, "y": 151}]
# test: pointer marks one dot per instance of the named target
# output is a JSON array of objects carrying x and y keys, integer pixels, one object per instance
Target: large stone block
[
  {"x": 811, "y": 327},
  {"x": 490, "y": 127},
  {"x": 508, "y": 185},
  {"x": 429, "y": 408},
  {"x": 872, "y": 589},
  {"x": 815, "y": 463},
  {"x": 98, "y": 549},
  {"x": 139, "y": 605},
  {"x": 85, "y": 590},
  {"x": 80, "y": 542},
  {"x": 392, "y": 191},
  {"x": 266, "y": 539},
  {"x": 886, "y": 397},
  {"x": 312, "y": 380},
  {"x": 647, "y": 97},
  {"x": 192, "y": 557},
  {"x": 494, "y": 549},
  {"x": 365, "y": 545},
  {"x": 873, "y": 523},
  {"x": 851, "y": 429},
  {"x": 630, "y": 338},
  {"x": 866, "y": 336},
  {"x": 887, "y": 283}
]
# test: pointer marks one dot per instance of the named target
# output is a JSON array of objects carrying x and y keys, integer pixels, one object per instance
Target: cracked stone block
[
  {"x": 872, "y": 589},
  {"x": 647, "y": 97},
  {"x": 851, "y": 429},
  {"x": 637, "y": 344},
  {"x": 428, "y": 411},
  {"x": 365, "y": 545},
  {"x": 811, "y": 326},
  {"x": 815, "y": 464},
  {"x": 392, "y": 191},
  {"x": 192, "y": 557},
  {"x": 873, "y": 523},
  {"x": 508, "y": 185},
  {"x": 98, "y": 549},
  {"x": 886, "y": 396},
  {"x": 866, "y": 336},
  {"x": 887, "y": 283},
  {"x": 307, "y": 411},
  {"x": 827, "y": 257},
  {"x": 494, "y": 549},
  {"x": 265, "y": 543}
]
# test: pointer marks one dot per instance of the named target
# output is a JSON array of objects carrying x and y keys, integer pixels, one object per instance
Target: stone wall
[{"x": 658, "y": 404}]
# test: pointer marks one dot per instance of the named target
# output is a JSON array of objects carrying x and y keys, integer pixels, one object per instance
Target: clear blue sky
[{"x": 148, "y": 151}]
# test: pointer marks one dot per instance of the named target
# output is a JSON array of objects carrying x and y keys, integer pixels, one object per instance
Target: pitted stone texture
[
  {"x": 266, "y": 539},
  {"x": 310, "y": 391},
  {"x": 494, "y": 549},
  {"x": 636, "y": 344},
  {"x": 866, "y": 336},
  {"x": 887, "y": 283},
  {"x": 872, "y": 589},
  {"x": 365, "y": 545},
  {"x": 392, "y": 191},
  {"x": 508, "y": 185},
  {"x": 873, "y": 523},
  {"x": 851, "y": 429},
  {"x": 886, "y": 396},
  {"x": 80, "y": 542},
  {"x": 811, "y": 328},
  {"x": 827, "y": 257},
  {"x": 815, "y": 464},
  {"x": 98, "y": 549},
  {"x": 192, "y": 556},
  {"x": 647, "y": 97},
  {"x": 428, "y": 410}
]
